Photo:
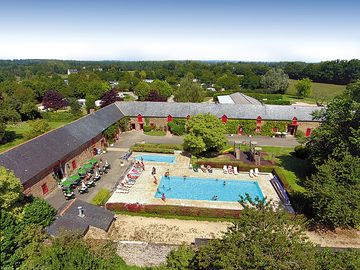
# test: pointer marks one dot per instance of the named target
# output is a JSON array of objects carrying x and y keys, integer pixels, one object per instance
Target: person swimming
[
  {"x": 215, "y": 198},
  {"x": 224, "y": 183}
]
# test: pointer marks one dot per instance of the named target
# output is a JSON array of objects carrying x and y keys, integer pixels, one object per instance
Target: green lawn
[
  {"x": 20, "y": 129},
  {"x": 319, "y": 90},
  {"x": 155, "y": 133},
  {"x": 129, "y": 98}
]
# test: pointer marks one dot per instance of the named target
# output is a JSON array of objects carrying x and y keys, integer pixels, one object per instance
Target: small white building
[
  {"x": 72, "y": 71},
  {"x": 97, "y": 103},
  {"x": 81, "y": 102},
  {"x": 148, "y": 80}
]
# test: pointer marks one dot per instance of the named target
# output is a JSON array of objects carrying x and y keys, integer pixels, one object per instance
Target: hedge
[
  {"x": 177, "y": 127},
  {"x": 249, "y": 127},
  {"x": 58, "y": 116},
  {"x": 159, "y": 145},
  {"x": 152, "y": 150},
  {"x": 277, "y": 102},
  {"x": 101, "y": 197}
]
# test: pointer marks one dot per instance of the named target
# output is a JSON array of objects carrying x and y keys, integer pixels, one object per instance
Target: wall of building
[
  {"x": 303, "y": 126},
  {"x": 46, "y": 181}
]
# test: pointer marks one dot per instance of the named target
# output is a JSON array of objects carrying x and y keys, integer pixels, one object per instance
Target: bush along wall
[
  {"x": 177, "y": 127},
  {"x": 249, "y": 127}
]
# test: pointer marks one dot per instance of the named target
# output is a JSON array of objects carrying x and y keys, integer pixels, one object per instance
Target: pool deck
[{"x": 143, "y": 191}]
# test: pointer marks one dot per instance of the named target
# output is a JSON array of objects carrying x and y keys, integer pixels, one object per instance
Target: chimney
[{"x": 81, "y": 211}]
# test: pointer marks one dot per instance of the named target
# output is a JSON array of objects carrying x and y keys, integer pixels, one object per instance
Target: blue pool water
[
  {"x": 157, "y": 158},
  {"x": 191, "y": 188}
]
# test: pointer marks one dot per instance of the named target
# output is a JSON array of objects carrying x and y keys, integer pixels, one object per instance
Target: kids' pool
[
  {"x": 209, "y": 189},
  {"x": 156, "y": 158}
]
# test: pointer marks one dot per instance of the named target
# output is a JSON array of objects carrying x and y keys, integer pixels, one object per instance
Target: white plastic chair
[
  {"x": 236, "y": 171},
  {"x": 256, "y": 172},
  {"x": 251, "y": 173},
  {"x": 225, "y": 170}
]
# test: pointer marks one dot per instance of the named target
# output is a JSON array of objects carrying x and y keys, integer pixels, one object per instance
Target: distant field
[
  {"x": 20, "y": 129},
  {"x": 324, "y": 90}
]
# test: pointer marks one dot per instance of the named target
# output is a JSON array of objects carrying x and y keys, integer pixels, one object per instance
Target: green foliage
[
  {"x": 71, "y": 252},
  {"x": 177, "y": 127},
  {"x": 343, "y": 260},
  {"x": 57, "y": 116},
  {"x": 155, "y": 132},
  {"x": 334, "y": 192},
  {"x": 162, "y": 88},
  {"x": 142, "y": 90},
  {"x": 147, "y": 128},
  {"x": 261, "y": 239},
  {"x": 157, "y": 148},
  {"x": 206, "y": 133},
  {"x": 339, "y": 131},
  {"x": 2, "y": 131},
  {"x": 249, "y": 127},
  {"x": 110, "y": 132},
  {"x": 10, "y": 189},
  {"x": 29, "y": 111},
  {"x": 101, "y": 197},
  {"x": 37, "y": 127},
  {"x": 303, "y": 88},
  {"x": 189, "y": 91},
  {"x": 39, "y": 212},
  {"x": 124, "y": 123},
  {"x": 228, "y": 81},
  {"x": 301, "y": 152},
  {"x": 181, "y": 258},
  {"x": 90, "y": 102},
  {"x": 75, "y": 107},
  {"x": 275, "y": 81}
]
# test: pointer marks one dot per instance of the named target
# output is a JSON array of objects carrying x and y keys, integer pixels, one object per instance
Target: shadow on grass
[{"x": 302, "y": 168}]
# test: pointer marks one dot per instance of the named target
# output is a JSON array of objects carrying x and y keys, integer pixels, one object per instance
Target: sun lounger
[
  {"x": 236, "y": 171},
  {"x": 251, "y": 173},
  {"x": 230, "y": 169},
  {"x": 202, "y": 167},
  {"x": 210, "y": 170},
  {"x": 225, "y": 170},
  {"x": 256, "y": 172},
  {"x": 122, "y": 191}
]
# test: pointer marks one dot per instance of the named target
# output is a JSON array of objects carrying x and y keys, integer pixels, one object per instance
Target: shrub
[
  {"x": 177, "y": 127},
  {"x": 301, "y": 152},
  {"x": 37, "y": 127},
  {"x": 159, "y": 145},
  {"x": 39, "y": 212},
  {"x": 101, "y": 197},
  {"x": 152, "y": 150},
  {"x": 277, "y": 102},
  {"x": 147, "y": 128},
  {"x": 241, "y": 166},
  {"x": 58, "y": 116}
]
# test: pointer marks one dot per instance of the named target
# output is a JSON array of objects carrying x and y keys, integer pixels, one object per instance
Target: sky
[{"x": 252, "y": 30}]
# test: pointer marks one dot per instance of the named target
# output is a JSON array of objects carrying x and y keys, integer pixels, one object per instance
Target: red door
[
  {"x": 308, "y": 132},
  {"x": 73, "y": 164},
  {"x": 44, "y": 188}
]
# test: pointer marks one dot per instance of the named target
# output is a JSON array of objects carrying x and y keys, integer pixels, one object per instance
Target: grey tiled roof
[
  {"x": 232, "y": 111},
  {"x": 31, "y": 158},
  {"x": 240, "y": 98},
  {"x": 95, "y": 216}
]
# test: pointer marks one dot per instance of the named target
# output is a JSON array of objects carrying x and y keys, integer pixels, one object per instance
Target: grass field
[
  {"x": 20, "y": 129},
  {"x": 155, "y": 133},
  {"x": 319, "y": 91}
]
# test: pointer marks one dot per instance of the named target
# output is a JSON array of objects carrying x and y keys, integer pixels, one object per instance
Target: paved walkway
[{"x": 127, "y": 139}]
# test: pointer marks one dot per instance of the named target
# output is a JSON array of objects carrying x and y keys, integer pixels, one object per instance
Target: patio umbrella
[
  {"x": 74, "y": 178},
  {"x": 93, "y": 161},
  {"x": 87, "y": 166},
  {"x": 81, "y": 171},
  {"x": 66, "y": 184}
]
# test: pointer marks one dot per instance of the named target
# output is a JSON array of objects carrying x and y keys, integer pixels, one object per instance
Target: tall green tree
[
  {"x": 142, "y": 90},
  {"x": 37, "y": 127},
  {"x": 189, "y": 91},
  {"x": 205, "y": 133},
  {"x": 275, "y": 81},
  {"x": 303, "y": 87},
  {"x": 10, "y": 189},
  {"x": 334, "y": 192},
  {"x": 339, "y": 132}
]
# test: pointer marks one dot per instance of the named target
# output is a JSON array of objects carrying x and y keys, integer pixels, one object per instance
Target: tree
[
  {"x": 142, "y": 90},
  {"x": 154, "y": 96},
  {"x": 339, "y": 131},
  {"x": 54, "y": 100},
  {"x": 303, "y": 88},
  {"x": 90, "y": 102},
  {"x": 206, "y": 133},
  {"x": 29, "y": 111},
  {"x": 10, "y": 189},
  {"x": 189, "y": 91},
  {"x": 250, "y": 80},
  {"x": 275, "y": 80},
  {"x": 109, "y": 97},
  {"x": 39, "y": 212},
  {"x": 334, "y": 192},
  {"x": 37, "y": 127},
  {"x": 261, "y": 239},
  {"x": 163, "y": 88},
  {"x": 75, "y": 107},
  {"x": 228, "y": 81}
]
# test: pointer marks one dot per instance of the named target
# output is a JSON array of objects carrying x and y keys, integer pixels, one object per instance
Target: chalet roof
[
  {"x": 70, "y": 221},
  {"x": 32, "y": 157}
]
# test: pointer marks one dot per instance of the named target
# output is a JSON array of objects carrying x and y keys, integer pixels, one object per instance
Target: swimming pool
[
  {"x": 157, "y": 158},
  {"x": 191, "y": 188}
]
